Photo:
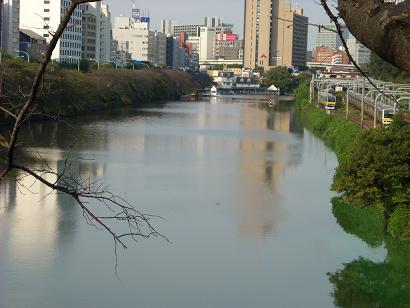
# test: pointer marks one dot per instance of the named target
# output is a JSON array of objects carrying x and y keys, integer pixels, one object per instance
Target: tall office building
[
  {"x": 135, "y": 38},
  {"x": 212, "y": 22},
  {"x": 190, "y": 30},
  {"x": 44, "y": 17},
  {"x": 359, "y": 52},
  {"x": 207, "y": 40},
  {"x": 105, "y": 33},
  {"x": 90, "y": 38},
  {"x": 160, "y": 48},
  {"x": 331, "y": 39},
  {"x": 96, "y": 36},
  {"x": 167, "y": 26},
  {"x": 10, "y": 18},
  {"x": 275, "y": 34}
]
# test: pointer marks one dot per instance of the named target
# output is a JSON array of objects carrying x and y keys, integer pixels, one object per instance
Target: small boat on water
[{"x": 214, "y": 92}]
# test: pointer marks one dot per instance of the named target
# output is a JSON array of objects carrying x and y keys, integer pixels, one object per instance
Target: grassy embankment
[
  {"x": 374, "y": 166},
  {"x": 336, "y": 132},
  {"x": 67, "y": 92}
]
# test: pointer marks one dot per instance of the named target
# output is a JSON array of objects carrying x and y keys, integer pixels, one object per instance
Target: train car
[
  {"x": 387, "y": 116},
  {"x": 327, "y": 100},
  {"x": 384, "y": 112}
]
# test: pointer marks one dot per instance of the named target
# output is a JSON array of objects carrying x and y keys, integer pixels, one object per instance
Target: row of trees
[
  {"x": 380, "y": 69},
  {"x": 65, "y": 91},
  {"x": 284, "y": 79}
]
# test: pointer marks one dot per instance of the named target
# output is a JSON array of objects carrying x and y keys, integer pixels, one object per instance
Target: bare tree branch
[{"x": 83, "y": 191}]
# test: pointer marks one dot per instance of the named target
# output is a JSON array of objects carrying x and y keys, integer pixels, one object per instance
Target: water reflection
[
  {"x": 265, "y": 161},
  {"x": 362, "y": 282},
  {"x": 207, "y": 131},
  {"x": 234, "y": 181},
  {"x": 41, "y": 222}
]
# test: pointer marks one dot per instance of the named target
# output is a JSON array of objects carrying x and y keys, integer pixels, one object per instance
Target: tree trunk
[{"x": 382, "y": 27}]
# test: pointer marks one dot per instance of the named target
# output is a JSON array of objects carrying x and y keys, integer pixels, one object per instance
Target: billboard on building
[
  {"x": 227, "y": 37},
  {"x": 145, "y": 19}
]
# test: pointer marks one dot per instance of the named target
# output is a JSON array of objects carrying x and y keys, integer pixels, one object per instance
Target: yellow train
[
  {"x": 384, "y": 112},
  {"x": 327, "y": 100}
]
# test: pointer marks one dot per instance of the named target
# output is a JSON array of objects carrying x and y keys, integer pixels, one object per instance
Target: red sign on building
[
  {"x": 227, "y": 37},
  {"x": 231, "y": 37}
]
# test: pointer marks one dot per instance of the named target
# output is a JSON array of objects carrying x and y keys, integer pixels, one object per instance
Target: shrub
[
  {"x": 64, "y": 91},
  {"x": 378, "y": 168},
  {"x": 399, "y": 223}
]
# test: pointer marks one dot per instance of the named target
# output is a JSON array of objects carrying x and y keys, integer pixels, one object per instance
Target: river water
[{"x": 245, "y": 193}]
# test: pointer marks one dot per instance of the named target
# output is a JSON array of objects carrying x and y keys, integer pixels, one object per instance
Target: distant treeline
[
  {"x": 380, "y": 69},
  {"x": 67, "y": 92}
]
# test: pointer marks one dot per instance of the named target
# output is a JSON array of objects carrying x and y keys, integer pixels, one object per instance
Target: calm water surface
[{"x": 245, "y": 193}]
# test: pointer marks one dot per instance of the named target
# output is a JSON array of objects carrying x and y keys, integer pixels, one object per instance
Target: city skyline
[{"x": 231, "y": 11}]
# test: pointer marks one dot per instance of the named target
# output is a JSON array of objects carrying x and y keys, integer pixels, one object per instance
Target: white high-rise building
[
  {"x": 105, "y": 33},
  {"x": 212, "y": 22},
  {"x": 134, "y": 38},
  {"x": 359, "y": 52},
  {"x": 43, "y": 17},
  {"x": 97, "y": 35},
  {"x": 207, "y": 43},
  {"x": 10, "y": 18},
  {"x": 167, "y": 26}
]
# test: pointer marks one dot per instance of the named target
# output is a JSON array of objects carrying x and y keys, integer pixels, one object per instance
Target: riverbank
[
  {"x": 335, "y": 131},
  {"x": 66, "y": 92},
  {"x": 374, "y": 165}
]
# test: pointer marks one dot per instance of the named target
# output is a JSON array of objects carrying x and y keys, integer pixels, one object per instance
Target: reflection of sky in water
[{"x": 245, "y": 192}]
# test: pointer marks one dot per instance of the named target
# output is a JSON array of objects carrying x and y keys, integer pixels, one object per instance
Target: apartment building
[
  {"x": 275, "y": 34},
  {"x": 212, "y": 22},
  {"x": 96, "y": 32},
  {"x": 9, "y": 31},
  {"x": 360, "y": 53},
  {"x": 330, "y": 38},
  {"x": 135, "y": 38},
  {"x": 190, "y": 30},
  {"x": 43, "y": 17},
  {"x": 167, "y": 26},
  {"x": 207, "y": 41}
]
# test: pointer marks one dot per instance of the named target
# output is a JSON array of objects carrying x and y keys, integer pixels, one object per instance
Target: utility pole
[
  {"x": 362, "y": 104},
  {"x": 347, "y": 105}
]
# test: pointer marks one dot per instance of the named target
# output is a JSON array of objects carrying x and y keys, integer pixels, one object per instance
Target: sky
[{"x": 193, "y": 11}]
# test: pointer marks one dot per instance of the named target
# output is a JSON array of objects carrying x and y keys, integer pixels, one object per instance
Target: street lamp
[
  {"x": 98, "y": 63},
  {"x": 78, "y": 62},
  {"x": 28, "y": 56}
]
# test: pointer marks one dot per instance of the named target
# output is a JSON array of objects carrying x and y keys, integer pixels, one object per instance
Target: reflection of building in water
[
  {"x": 265, "y": 160},
  {"x": 35, "y": 217},
  {"x": 31, "y": 219}
]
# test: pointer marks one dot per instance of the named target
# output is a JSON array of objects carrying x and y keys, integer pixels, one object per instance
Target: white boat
[{"x": 214, "y": 92}]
